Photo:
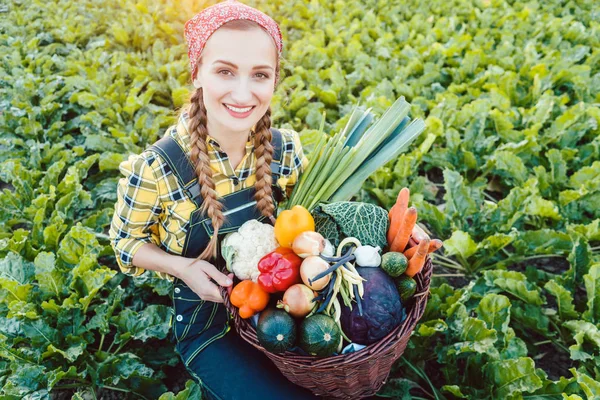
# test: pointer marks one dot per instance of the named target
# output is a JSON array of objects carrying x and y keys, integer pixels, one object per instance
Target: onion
[
  {"x": 308, "y": 244},
  {"x": 297, "y": 300},
  {"x": 311, "y": 267}
]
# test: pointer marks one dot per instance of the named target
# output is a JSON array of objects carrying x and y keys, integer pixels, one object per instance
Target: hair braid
[
  {"x": 263, "y": 149},
  {"x": 211, "y": 206}
]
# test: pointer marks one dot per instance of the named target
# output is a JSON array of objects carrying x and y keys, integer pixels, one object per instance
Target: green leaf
[
  {"x": 510, "y": 167},
  {"x": 590, "y": 387},
  {"x": 71, "y": 354},
  {"x": 514, "y": 283},
  {"x": 513, "y": 376},
  {"x": 50, "y": 279},
  {"x": 584, "y": 332},
  {"x": 77, "y": 244},
  {"x": 152, "y": 322},
  {"x": 588, "y": 177},
  {"x": 494, "y": 309},
  {"x": 460, "y": 200},
  {"x": 26, "y": 382},
  {"x": 592, "y": 287},
  {"x": 530, "y": 317},
  {"x": 430, "y": 328},
  {"x": 366, "y": 222},
  {"x": 564, "y": 300},
  {"x": 454, "y": 390},
  {"x": 397, "y": 388},
  {"x": 542, "y": 241},
  {"x": 192, "y": 391},
  {"x": 460, "y": 243},
  {"x": 16, "y": 278},
  {"x": 58, "y": 374},
  {"x": 579, "y": 258},
  {"x": 474, "y": 337}
]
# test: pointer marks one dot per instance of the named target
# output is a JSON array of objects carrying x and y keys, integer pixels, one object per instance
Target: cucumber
[
  {"x": 394, "y": 264},
  {"x": 319, "y": 335},
  {"x": 406, "y": 286},
  {"x": 276, "y": 330}
]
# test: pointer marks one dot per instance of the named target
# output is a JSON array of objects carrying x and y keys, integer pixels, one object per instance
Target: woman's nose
[{"x": 242, "y": 93}]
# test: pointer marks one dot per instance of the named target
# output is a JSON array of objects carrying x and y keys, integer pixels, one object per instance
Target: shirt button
[
  {"x": 177, "y": 290},
  {"x": 236, "y": 181},
  {"x": 179, "y": 318}
]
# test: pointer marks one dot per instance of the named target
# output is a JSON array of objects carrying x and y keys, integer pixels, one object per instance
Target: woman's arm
[{"x": 195, "y": 273}]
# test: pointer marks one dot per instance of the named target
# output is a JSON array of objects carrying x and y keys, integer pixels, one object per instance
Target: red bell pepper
[{"x": 279, "y": 270}]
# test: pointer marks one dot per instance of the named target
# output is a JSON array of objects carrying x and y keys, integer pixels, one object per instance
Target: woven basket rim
[{"x": 414, "y": 314}]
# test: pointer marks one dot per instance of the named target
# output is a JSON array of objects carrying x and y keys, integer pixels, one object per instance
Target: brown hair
[{"x": 263, "y": 151}]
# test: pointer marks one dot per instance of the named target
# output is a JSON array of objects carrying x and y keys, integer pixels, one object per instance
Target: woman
[{"x": 219, "y": 166}]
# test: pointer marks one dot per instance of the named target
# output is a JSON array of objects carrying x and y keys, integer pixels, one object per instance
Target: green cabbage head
[{"x": 366, "y": 222}]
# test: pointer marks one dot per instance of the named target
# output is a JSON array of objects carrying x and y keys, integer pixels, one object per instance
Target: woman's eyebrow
[{"x": 235, "y": 66}]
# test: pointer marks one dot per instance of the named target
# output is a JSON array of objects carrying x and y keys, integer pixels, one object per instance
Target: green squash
[
  {"x": 406, "y": 286},
  {"x": 394, "y": 264},
  {"x": 319, "y": 335},
  {"x": 276, "y": 330}
]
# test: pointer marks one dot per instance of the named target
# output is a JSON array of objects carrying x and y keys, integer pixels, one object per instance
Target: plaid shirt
[{"x": 151, "y": 207}]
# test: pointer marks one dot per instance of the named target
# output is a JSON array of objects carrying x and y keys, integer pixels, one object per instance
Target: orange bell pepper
[
  {"x": 291, "y": 223},
  {"x": 249, "y": 297}
]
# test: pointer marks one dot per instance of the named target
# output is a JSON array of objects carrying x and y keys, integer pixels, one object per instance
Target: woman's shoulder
[
  {"x": 293, "y": 157},
  {"x": 290, "y": 140}
]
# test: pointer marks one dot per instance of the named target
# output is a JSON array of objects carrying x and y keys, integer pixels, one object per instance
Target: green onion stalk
[{"x": 341, "y": 163}]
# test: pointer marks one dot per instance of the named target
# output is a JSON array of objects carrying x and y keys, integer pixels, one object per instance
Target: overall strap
[{"x": 180, "y": 164}]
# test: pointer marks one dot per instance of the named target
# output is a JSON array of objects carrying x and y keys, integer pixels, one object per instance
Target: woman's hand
[{"x": 197, "y": 275}]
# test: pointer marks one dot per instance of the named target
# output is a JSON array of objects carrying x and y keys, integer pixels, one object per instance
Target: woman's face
[{"x": 238, "y": 69}]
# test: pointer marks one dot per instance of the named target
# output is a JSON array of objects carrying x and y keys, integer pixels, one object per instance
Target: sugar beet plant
[{"x": 507, "y": 172}]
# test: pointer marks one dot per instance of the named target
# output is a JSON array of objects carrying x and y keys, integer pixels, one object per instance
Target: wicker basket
[{"x": 352, "y": 375}]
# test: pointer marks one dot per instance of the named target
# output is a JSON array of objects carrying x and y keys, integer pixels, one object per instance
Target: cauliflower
[{"x": 242, "y": 250}]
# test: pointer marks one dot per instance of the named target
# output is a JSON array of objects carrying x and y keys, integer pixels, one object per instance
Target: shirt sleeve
[
  {"x": 294, "y": 161},
  {"x": 136, "y": 213}
]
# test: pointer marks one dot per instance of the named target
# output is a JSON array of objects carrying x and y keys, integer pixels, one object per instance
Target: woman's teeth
[{"x": 239, "y": 110}]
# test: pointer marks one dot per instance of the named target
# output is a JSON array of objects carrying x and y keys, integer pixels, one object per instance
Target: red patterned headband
[{"x": 202, "y": 25}]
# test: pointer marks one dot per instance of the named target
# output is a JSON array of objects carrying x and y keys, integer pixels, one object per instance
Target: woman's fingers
[{"x": 217, "y": 275}]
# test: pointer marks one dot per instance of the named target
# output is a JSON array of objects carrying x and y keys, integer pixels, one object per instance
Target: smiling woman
[{"x": 220, "y": 166}]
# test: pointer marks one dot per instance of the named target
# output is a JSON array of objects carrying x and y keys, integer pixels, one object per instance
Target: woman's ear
[{"x": 197, "y": 83}]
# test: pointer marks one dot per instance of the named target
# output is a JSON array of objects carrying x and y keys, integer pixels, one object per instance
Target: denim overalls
[{"x": 224, "y": 364}]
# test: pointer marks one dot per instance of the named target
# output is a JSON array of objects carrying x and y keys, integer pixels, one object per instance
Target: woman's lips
[{"x": 239, "y": 115}]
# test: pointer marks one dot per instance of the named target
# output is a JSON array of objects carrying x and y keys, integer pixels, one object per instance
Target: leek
[{"x": 340, "y": 163}]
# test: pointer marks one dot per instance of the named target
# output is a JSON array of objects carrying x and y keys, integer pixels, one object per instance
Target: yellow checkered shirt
[{"x": 151, "y": 206}]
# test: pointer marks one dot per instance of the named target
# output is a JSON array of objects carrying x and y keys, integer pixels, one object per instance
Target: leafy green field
[{"x": 508, "y": 171}]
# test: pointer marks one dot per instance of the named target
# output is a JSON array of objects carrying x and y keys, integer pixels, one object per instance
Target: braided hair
[{"x": 263, "y": 150}]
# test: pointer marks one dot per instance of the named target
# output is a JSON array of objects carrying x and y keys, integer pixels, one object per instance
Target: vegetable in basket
[
  {"x": 243, "y": 249},
  {"x": 276, "y": 330},
  {"x": 279, "y": 270},
  {"x": 319, "y": 335},
  {"x": 297, "y": 300},
  {"x": 291, "y": 223},
  {"x": 309, "y": 244},
  {"x": 381, "y": 305},
  {"x": 366, "y": 222},
  {"x": 340, "y": 163},
  {"x": 249, "y": 297},
  {"x": 310, "y": 268}
]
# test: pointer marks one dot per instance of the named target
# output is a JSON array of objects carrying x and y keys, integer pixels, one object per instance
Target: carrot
[
  {"x": 411, "y": 243},
  {"x": 415, "y": 264},
  {"x": 406, "y": 227},
  {"x": 434, "y": 245},
  {"x": 396, "y": 214}
]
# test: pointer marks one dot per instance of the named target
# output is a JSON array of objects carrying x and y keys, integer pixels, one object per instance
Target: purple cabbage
[{"x": 382, "y": 309}]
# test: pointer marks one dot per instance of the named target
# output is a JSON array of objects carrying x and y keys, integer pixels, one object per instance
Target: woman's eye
[{"x": 264, "y": 76}]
